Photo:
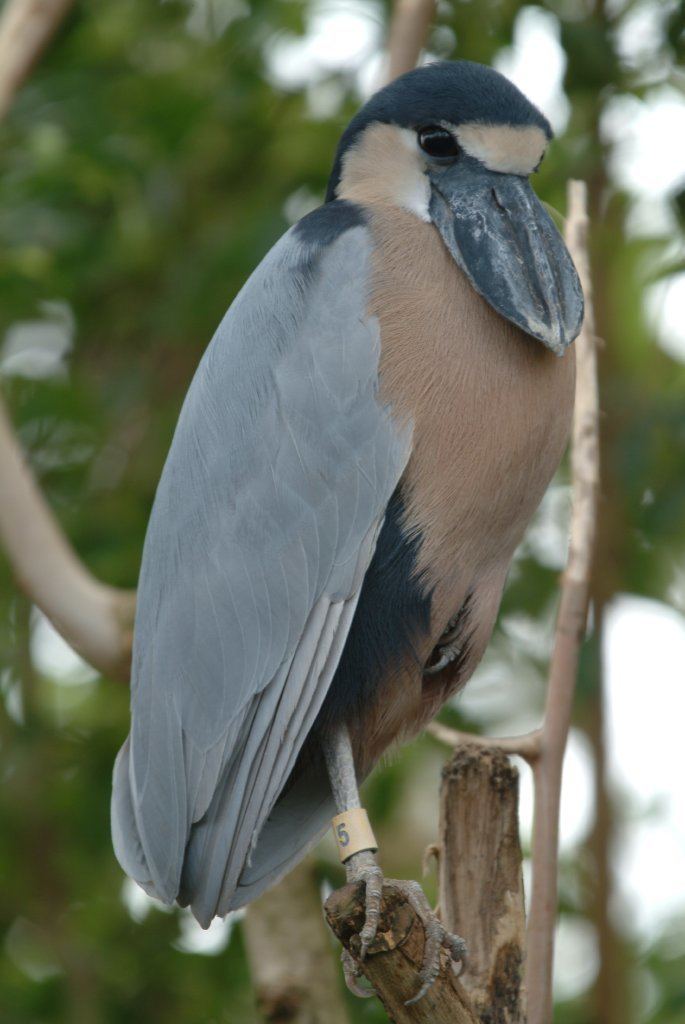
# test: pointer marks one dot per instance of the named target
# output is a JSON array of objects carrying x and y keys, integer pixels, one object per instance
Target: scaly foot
[{"x": 363, "y": 867}]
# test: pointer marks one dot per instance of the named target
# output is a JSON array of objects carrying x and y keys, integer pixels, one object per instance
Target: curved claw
[
  {"x": 422, "y": 991},
  {"x": 427, "y": 976},
  {"x": 457, "y": 949},
  {"x": 351, "y": 973},
  {"x": 454, "y": 945}
]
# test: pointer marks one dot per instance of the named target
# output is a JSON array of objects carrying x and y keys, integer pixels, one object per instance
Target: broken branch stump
[{"x": 481, "y": 883}]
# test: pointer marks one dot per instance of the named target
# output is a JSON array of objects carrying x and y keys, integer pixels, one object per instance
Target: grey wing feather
[{"x": 264, "y": 524}]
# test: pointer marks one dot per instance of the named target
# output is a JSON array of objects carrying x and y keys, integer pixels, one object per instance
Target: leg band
[{"x": 353, "y": 833}]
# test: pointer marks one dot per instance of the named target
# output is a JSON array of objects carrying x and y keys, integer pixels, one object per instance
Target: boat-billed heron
[{"x": 366, "y": 437}]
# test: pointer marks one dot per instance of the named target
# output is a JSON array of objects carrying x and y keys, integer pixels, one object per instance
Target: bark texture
[{"x": 481, "y": 884}]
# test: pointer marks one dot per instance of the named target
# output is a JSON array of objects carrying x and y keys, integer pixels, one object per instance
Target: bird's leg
[{"x": 361, "y": 866}]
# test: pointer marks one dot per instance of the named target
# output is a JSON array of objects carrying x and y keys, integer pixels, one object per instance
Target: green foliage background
[{"x": 143, "y": 174}]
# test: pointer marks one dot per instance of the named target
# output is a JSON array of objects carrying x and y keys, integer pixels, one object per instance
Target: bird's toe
[
  {"x": 437, "y": 937},
  {"x": 371, "y": 875},
  {"x": 353, "y": 973}
]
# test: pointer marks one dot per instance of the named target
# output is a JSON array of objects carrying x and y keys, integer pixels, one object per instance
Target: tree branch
[
  {"x": 26, "y": 27},
  {"x": 408, "y": 30},
  {"x": 570, "y": 630},
  {"x": 95, "y": 619},
  {"x": 526, "y": 746},
  {"x": 481, "y": 883}
]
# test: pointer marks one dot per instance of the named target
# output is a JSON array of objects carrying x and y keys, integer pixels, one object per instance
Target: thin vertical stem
[
  {"x": 568, "y": 638},
  {"x": 26, "y": 27},
  {"x": 408, "y": 30}
]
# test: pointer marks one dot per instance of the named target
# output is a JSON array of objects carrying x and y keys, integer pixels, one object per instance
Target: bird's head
[{"x": 454, "y": 143}]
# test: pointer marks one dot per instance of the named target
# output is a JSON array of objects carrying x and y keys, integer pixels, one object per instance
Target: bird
[{"x": 365, "y": 440}]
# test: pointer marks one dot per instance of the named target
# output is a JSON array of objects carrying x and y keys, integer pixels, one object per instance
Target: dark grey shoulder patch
[{"x": 324, "y": 225}]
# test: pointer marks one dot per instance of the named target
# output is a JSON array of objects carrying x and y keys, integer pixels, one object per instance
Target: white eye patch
[
  {"x": 509, "y": 149},
  {"x": 384, "y": 165}
]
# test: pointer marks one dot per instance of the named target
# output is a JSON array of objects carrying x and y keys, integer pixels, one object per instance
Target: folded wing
[{"x": 263, "y": 526}]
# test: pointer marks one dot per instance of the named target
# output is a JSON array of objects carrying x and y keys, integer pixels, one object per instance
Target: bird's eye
[{"x": 437, "y": 142}]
